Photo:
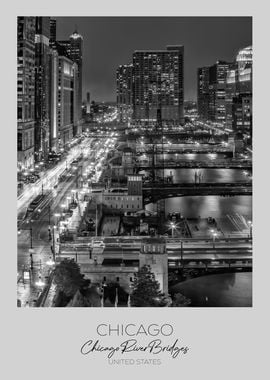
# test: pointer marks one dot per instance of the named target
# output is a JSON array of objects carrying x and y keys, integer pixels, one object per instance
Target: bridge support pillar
[{"x": 154, "y": 253}]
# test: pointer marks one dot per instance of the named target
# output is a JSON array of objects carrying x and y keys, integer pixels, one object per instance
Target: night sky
[{"x": 110, "y": 42}]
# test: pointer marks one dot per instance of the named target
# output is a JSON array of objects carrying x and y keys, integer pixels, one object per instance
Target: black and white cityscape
[{"x": 134, "y": 161}]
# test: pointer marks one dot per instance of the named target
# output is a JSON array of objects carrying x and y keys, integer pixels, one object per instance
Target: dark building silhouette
[
  {"x": 211, "y": 91},
  {"x": 124, "y": 85},
  {"x": 52, "y": 30},
  {"x": 217, "y": 91},
  {"x": 203, "y": 92}
]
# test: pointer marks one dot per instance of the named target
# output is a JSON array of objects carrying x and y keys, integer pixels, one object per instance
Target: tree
[
  {"x": 79, "y": 300},
  {"x": 146, "y": 291},
  {"x": 180, "y": 301},
  {"x": 68, "y": 278},
  {"x": 110, "y": 293}
]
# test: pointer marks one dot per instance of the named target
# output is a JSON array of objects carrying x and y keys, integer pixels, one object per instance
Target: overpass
[{"x": 152, "y": 192}]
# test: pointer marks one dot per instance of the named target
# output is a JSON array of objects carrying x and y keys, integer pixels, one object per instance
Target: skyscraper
[
  {"x": 42, "y": 50},
  {"x": 239, "y": 92},
  {"x": 158, "y": 91},
  {"x": 25, "y": 91},
  {"x": 76, "y": 51},
  {"x": 217, "y": 91},
  {"x": 53, "y": 106},
  {"x": 124, "y": 84},
  {"x": 73, "y": 49},
  {"x": 203, "y": 92},
  {"x": 67, "y": 100},
  {"x": 52, "y": 30}
]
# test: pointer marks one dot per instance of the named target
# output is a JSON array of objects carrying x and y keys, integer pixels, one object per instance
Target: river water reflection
[
  {"x": 206, "y": 175},
  {"x": 219, "y": 290},
  {"x": 205, "y": 206}
]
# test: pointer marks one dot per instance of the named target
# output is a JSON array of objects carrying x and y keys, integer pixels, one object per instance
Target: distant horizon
[{"x": 110, "y": 41}]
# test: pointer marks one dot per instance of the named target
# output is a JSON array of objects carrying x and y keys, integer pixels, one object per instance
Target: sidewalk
[{"x": 27, "y": 290}]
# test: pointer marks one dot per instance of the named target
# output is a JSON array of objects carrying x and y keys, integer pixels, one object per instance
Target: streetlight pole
[
  {"x": 31, "y": 237},
  {"x": 250, "y": 229},
  {"x": 96, "y": 220},
  {"x": 49, "y": 215},
  {"x": 181, "y": 253},
  {"x": 53, "y": 250},
  {"x": 173, "y": 228},
  {"x": 214, "y": 238},
  {"x": 122, "y": 254}
]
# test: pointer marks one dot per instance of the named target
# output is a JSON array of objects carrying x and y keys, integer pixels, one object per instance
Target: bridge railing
[{"x": 196, "y": 185}]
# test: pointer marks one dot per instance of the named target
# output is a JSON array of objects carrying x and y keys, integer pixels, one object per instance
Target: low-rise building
[{"x": 122, "y": 202}]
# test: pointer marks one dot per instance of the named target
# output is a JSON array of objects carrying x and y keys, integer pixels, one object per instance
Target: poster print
[{"x": 192, "y": 252}]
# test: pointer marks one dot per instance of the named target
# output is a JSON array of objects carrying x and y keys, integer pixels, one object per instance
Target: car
[{"x": 98, "y": 244}]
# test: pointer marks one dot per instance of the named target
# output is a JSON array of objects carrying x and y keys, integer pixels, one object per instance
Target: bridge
[
  {"x": 188, "y": 253},
  {"x": 143, "y": 149},
  {"x": 215, "y": 164},
  {"x": 152, "y": 192},
  {"x": 185, "y": 135}
]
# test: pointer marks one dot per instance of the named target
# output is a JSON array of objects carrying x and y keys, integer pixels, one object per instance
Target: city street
[{"x": 33, "y": 235}]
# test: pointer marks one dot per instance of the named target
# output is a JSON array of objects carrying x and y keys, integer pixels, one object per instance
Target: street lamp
[
  {"x": 50, "y": 262},
  {"x": 173, "y": 227},
  {"x": 73, "y": 195},
  {"x": 57, "y": 218},
  {"x": 40, "y": 282},
  {"x": 214, "y": 235},
  {"x": 250, "y": 228}
]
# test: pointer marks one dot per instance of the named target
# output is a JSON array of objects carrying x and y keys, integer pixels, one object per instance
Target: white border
[{"x": 224, "y": 343}]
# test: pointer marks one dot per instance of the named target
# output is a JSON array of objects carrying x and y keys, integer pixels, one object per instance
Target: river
[
  {"x": 205, "y": 206},
  {"x": 218, "y": 290}
]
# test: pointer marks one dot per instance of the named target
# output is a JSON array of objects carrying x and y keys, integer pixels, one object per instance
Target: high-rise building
[
  {"x": 25, "y": 91},
  {"x": 217, "y": 91},
  {"x": 76, "y": 52},
  {"x": 239, "y": 91},
  {"x": 63, "y": 48},
  {"x": 53, "y": 106},
  {"x": 203, "y": 92},
  {"x": 124, "y": 82},
  {"x": 52, "y": 30},
  {"x": 242, "y": 113},
  {"x": 67, "y": 100},
  {"x": 42, "y": 50},
  {"x": 73, "y": 49},
  {"x": 158, "y": 90}
]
